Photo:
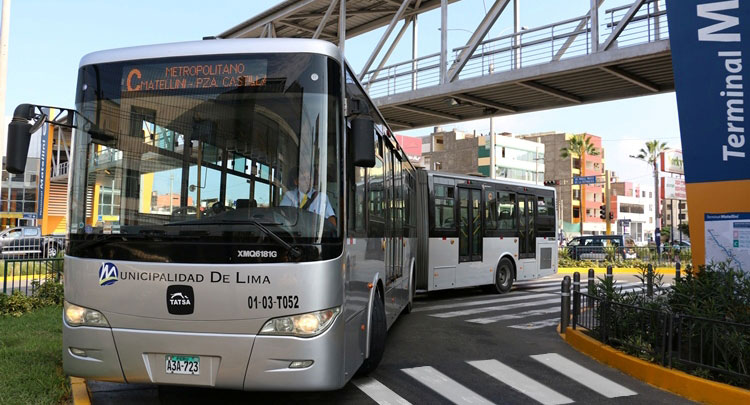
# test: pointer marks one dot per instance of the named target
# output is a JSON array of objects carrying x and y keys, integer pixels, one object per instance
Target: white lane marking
[
  {"x": 520, "y": 382},
  {"x": 536, "y": 285},
  {"x": 578, "y": 373},
  {"x": 379, "y": 392},
  {"x": 445, "y": 386},
  {"x": 495, "y": 308},
  {"x": 514, "y": 297},
  {"x": 537, "y": 324},
  {"x": 533, "y": 312}
]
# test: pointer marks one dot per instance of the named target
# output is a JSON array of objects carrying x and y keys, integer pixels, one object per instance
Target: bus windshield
[{"x": 207, "y": 150}]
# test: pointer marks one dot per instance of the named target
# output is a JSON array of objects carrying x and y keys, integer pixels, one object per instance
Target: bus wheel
[
  {"x": 377, "y": 337},
  {"x": 504, "y": 276}
]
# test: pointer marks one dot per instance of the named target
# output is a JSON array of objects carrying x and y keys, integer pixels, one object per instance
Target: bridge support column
[{"x": 594, "y": 21}]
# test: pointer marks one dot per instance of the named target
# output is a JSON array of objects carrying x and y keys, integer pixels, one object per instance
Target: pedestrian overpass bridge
[{"x": 606, "y": 54}]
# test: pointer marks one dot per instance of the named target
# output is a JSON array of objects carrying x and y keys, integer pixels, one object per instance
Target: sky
[{"x": 49, "y": 37}]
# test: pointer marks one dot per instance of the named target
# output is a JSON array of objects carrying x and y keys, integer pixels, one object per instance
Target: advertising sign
[
  {"x": 42, "y": 168},
  {"x": 673, "y": 189},
  {"x": 707, "y": 40},
  {"x": 671, "y": 162}
]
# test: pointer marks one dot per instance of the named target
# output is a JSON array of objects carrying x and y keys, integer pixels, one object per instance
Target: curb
[
  {"x": 678, "y": 382},
  {"x": 621, "y": 270},
  {"x": 79, "y": 391}
]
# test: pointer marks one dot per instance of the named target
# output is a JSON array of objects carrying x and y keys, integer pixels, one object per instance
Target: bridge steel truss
[{"x": 584, "y": 59}]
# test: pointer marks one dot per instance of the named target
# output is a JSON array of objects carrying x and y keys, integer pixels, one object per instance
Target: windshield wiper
[{"x": 296, "y": 253}]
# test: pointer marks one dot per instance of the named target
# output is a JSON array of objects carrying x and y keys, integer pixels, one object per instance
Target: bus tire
[
  {"x": 504, "y": 276},
  {"x": 377, "y": 337}
]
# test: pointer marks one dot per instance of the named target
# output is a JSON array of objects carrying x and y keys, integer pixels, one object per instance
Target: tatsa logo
[{"x": 108, "y": 274}]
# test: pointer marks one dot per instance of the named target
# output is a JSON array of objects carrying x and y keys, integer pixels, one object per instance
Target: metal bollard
[
  {"x": 592, "y": 287},
  {"x": 609, "y": 273},
  {"x": 576, "y": 297},
  {"x": 650, "y": 281},
  {"x": 565, "y": 304},
  {"x": 677, "y": 271}
]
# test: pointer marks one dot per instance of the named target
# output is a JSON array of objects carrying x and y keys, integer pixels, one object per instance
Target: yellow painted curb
[
  {"x": 621, "y": 270},
  {"x": 678, "y": 382},
  {"x": 79, "y": 391}
]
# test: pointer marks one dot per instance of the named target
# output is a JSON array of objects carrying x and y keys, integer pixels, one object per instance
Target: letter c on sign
[{"x": 134, "y": 72}]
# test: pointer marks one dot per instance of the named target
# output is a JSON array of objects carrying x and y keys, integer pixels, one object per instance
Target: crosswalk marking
[
  {"x": 520, "y": 382},
  {"x": 445, "y": 386},
  {"x": 494, "y": 308},
  {"x": 594, "y": 381},
  {"x": 537, "y": 285},
  {"x": 379, "y": 392},
  {"x": 515, "y": 297},
  {"x": 537, "y": 324},
  {"x": 533, "y": 312}
]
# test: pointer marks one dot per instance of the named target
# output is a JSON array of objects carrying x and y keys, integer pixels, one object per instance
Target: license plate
[{"x": 183, "y": 364}]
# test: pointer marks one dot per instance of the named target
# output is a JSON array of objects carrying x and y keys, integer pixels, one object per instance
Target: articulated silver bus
[
  {"x": 479, "y": 231},
  {"x": 239, "y": 217}
]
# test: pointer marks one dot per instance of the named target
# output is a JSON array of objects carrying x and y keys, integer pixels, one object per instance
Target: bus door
[
  {"x": 526, "y": 233},
  {"x": 469, "y": 224},
  {"x": 389, "y": 235}
]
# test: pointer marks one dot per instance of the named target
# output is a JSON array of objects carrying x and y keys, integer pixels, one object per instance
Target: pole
[
  {"x": 657, "y": 208},
  {"x": 414, "y": 32},
  {"x": 443, "y": 39},
  {"x": 493, "y": 157},
  {"x": 576, "y": 297},
  {"x": 565, "y": 304},
  {"x": 607, "y": 208},
  {"x": 4, "y": 33},
  {"x": 516, "y": 37}
]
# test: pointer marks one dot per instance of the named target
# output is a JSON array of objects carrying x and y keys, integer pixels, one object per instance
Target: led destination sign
[{"x": 194, "y": 75}]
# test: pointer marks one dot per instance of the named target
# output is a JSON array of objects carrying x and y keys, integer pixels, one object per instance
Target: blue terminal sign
[{"x": 709, "y": 39}]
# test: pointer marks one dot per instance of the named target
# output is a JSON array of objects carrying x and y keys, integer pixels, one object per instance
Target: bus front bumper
[{"x": 232, "y": 361}]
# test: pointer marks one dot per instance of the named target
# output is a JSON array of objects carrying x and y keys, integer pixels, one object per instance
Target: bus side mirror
[
  {"x": 363, "y": 142},
  {"x": 19, "y": 137}
]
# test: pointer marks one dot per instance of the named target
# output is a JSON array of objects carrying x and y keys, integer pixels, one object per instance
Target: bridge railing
[{"x": 560, "y": 40}]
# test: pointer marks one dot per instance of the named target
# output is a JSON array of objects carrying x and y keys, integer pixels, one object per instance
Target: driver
[{"x": 304, "y": 196}]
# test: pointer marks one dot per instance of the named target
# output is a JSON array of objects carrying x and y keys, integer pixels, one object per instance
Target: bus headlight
[
  {"x": 302, "y": 325},
  {"x": 80, "y": 316}
]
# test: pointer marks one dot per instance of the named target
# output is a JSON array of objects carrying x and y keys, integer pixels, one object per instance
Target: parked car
[
  {"x": 596, "y": 247},
  {"x": 27, "y": 241}
]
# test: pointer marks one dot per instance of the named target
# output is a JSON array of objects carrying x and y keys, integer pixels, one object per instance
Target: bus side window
[
  {"x": 375, "y": 200},
  {"x": 444, "y": 207},
  {"x": 490, "y": 212},
  {"x": 506, "y": 211},
  {"x": 545, "y": 224},
  {"x": 359, "y": 201}
]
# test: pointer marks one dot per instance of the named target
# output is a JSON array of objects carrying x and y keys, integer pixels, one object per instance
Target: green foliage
[
  {"x": 709, "y": 308},
  {"x": 43, "y": 295},
  {"x": 684, "y": 228}
]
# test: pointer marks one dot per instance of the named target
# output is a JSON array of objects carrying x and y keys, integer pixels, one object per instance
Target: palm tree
[
  {"x": 580, "y": 146},
  {"x": 650, "y": 154}
]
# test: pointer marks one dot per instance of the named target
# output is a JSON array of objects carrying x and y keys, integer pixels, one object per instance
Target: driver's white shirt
[{"x": 320, "y": 205}]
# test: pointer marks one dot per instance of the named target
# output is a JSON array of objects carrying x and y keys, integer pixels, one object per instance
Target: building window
[
  {"x": 438, "y": 166},
  {"x": 577, "y": 194},
  {"x": 576, "y": 212}
]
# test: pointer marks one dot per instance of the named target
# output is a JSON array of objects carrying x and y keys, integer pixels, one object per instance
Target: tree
[
  {"x": 684, "y": 228},
  {"x": 650, "y": 154},
  {"x": 579, "y": 146}
]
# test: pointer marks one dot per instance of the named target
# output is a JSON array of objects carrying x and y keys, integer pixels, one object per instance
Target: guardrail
[
  {"x": 544, "y": 44},
  {"x": 26, "y": 274},
  {"x": 688, "y": 343}
]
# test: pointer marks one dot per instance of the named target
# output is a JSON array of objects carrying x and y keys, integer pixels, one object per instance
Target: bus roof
[
  {"x": 488, "y": 180},
  {"x": 214, "y": 47}
]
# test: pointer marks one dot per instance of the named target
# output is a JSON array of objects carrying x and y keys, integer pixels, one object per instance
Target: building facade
[
  {"x": 39, "y": 196},
  {"x": 633, "y": 207},
  {"x": 561, "y": 171},
  {"x": 470, "y": 153}
]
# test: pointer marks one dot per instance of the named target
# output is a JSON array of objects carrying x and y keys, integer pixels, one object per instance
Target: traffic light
[
  {"x": 611, "y": 216},
  {"x": 551, "y": 183},
  {"x": 602, "y": 212}
]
